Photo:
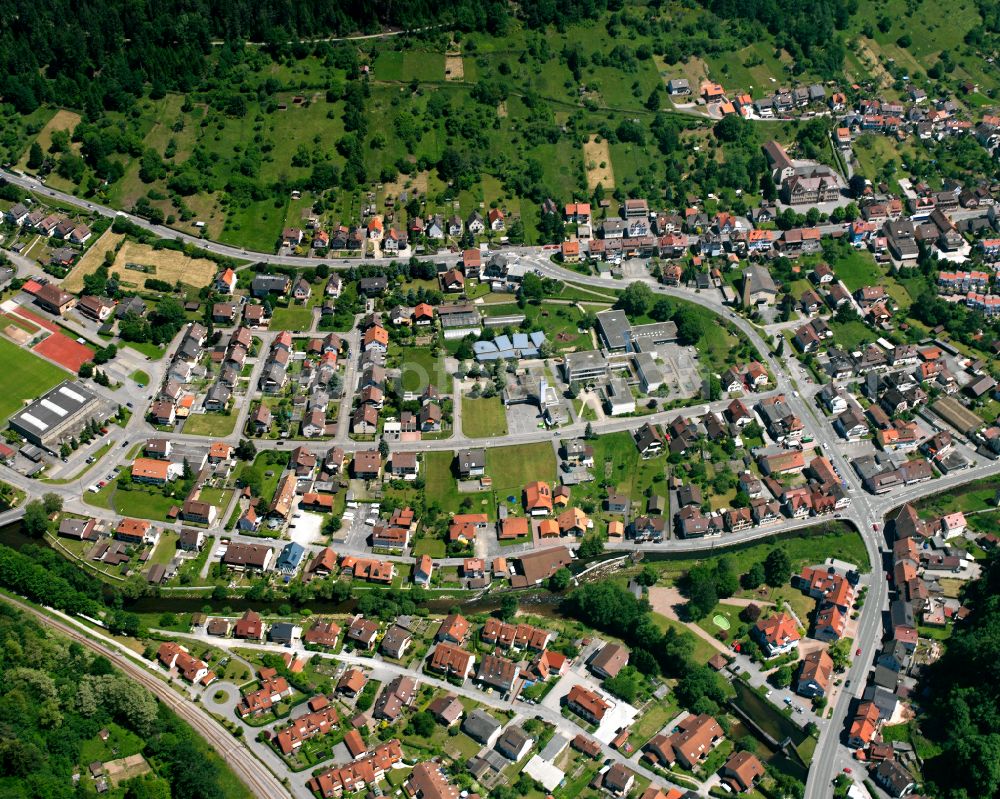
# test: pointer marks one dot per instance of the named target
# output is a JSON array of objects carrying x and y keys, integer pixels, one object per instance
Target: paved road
[
  {"x": 467, "y": 689},
  {"x": 866, "y": 512},
  {"x": 256, "y": 777}
]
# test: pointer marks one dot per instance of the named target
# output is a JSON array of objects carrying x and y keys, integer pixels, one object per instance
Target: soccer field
[{"x": 23, "y": 376}]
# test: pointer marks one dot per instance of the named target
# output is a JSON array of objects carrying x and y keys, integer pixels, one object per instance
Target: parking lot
[
  {"x": 681, "y": 370},
  {"x": 306, "y": 528},
  {"x": 524, "y": 419}
]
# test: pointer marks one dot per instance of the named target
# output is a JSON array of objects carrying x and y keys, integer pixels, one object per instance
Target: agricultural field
[
  {"x": 92, "y": 260},
  {"x": 25, "y": 377},
  {"x": 169, "y": 266}
]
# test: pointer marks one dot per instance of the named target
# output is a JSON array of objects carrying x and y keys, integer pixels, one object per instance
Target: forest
[
  {"x": 963, "y": 711},
  {"x": 55, "y": 699}
]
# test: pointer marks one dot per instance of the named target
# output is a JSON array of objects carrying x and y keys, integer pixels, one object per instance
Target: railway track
[{"x": 250, "y": 770}]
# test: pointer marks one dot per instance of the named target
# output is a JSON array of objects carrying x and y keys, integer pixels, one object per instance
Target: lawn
[
  {"x": 152, "y": 351},
  {"x": 210, "y": 424},
  {"x": 429, "y": 546},
  {"x": 273, "y": 462},
  {"x": 851, "y": 336},
  {"x": 512, "y": 467},
  {"x": 803, "y": 548},
  {"x": 856, "y": 268},
  {"x": 976, "y": 496},
  {"x": 165, "y": 549},
  {"x": 560, "y": 323},
  {"x": 483, "y": 417},
  {"x": 617, "y": 459},
  {"x": 295, "y": 318},
  {"x": 419, "y": 368},
  {"x": 142, "y": 503},
  {"x": 140, "y": 377},
  {"x": 28, "y": 376},
  {"x": 120, "y": 743}
]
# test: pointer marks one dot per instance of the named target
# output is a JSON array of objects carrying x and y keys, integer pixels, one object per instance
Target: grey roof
[
  {"x": 756, "y": 278},
  {"x": 130, "y": 305},
  {"x": 472, "y": 458},
  {"x": 614, "y": 327},
  {"x": 480, "y": 725},
  {"x": 512, "y": 740},
  {"x": 51, "y": 409},
  {"x": 486, "y": 350},
  {"x": 586, "y": 359},
  {"x": 220, "y": 393},
  {"x": 654, "y": 333},
  {"x": 269, "y": 283},
  {"x": 282, "y": 631}
]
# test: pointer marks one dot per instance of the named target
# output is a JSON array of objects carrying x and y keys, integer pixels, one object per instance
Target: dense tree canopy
[
  {"x": 609, "y": 607},
  {"x": 55, "y": 697},
  {"x": 964, "y": 709},
  {"x": 806, "y": 28}
]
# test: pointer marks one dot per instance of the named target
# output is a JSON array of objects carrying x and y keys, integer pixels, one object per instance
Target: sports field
[
  {"x": 24, "y": 377},
  {"x": 64, "y": 351}
]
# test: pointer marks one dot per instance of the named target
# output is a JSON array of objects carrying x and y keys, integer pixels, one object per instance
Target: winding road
[{"x": 866, "y": 512}]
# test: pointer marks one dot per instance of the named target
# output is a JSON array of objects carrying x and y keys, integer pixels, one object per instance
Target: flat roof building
[
  {"x": 614, "y": 329},
  {"x": 57, "y": 415},
  {"x": 585, "y": 365}
]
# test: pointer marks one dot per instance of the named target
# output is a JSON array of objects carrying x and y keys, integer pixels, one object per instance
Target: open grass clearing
[
  {"x": 434, "y": 547},
  {"x": 803, "y": 548},
  {"x": 165, "y": 550},
  {"x": 152, "y": 351},
  {"x": 483, "y": 417},
  {"x": 295, "y": 319},
  {"x": 857, "y": 268},
  {"x": 142, "y": 503},
  {"x": 61, "y": 120},
  {"x": 597, "y": 160},
  {"x": 512, "y": 467},
  {"x": 217, "y": 425},
  {"x": 420, "y": 368},
  {"x": 703, "y": 650},
  {"x": 25, "y": 377}
]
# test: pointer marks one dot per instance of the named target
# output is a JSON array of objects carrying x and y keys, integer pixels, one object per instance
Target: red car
[
  {"x": 858, "y": 652},
  {"x": 847, "y": 769},
  {"x": 875, "y": 527}
]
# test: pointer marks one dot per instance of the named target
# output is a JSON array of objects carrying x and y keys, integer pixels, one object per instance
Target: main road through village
[{"x": 865, "y": 512}]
